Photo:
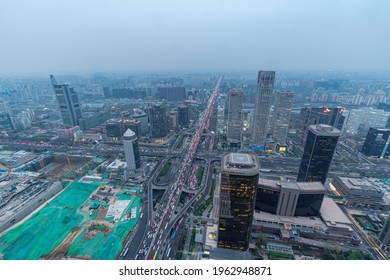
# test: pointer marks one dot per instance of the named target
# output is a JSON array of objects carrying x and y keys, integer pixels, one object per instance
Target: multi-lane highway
[{"x": 159, "y": 223}]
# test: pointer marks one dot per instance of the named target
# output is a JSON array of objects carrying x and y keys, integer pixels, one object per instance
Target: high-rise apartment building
[
  {"x": 319, "y": 148},
  {"x": 377, "y": 143},
  {"x": 171, "y": 93},
  {"x": 281, "y": 115},
  {"x": 130, "y": 143},
  {"x": 68, "y": 102},
  {"x": 234, "y": 120},
  {"x": 321, "y": 115},
  {"x": 239, "y": 176},
  {"x": 263, "y": 99}
]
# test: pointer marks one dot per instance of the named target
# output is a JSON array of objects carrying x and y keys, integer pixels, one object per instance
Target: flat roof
[
  {"x": 290, "y": 185},
  {"x": 274, "y": 184},
  {"x": 304, "y": 187},
  {"x": 311, "y": 186},
  {"x": 310, "y": 222},
  {"x": 236, "y": 158},
  {"x": 324, "y": 130},
  {"x": 245, "y": 164},
  {"x": 358, "y": 184},
  {"x": 332, "y": 215}
]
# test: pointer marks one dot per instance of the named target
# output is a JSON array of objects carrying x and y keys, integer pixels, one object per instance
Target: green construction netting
[
  {"x": 49, "y": 226},
  {"x": 102, "y": 247}
]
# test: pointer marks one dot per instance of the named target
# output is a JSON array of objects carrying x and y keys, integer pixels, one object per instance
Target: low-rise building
[{"x": 360, "y": 192}]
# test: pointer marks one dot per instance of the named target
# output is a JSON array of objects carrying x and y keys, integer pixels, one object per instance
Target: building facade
[
  {"x": 320, "y": 115},
  {"x": 183, "y": 116},
  {"x": 359, "y": 192},
  {"x": 289, "y": 199},
  {"x": 263, "y": 100},
  {"x": 239, "y": 176},
  {"x": 234, "y": 120},
  {"x": 141, "y": 116},
  {"x": 281, "y": 115},
  {"x": 318, "y": 152},
  {"x": 68, "y": 102},
  {"x": 158, "y": 120},
  {"x": 133, "y": 125},
  {"x": 132, "y": 155},
  {"x": 377, "y": 143},
  {"x": 114, "y": 128},
  {"x": 362, "y": 119}
]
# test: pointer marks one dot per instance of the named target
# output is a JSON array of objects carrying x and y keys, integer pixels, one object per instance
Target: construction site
[
  {"x": 85, "y": 221},
  {"x": 52, "y": 207}
]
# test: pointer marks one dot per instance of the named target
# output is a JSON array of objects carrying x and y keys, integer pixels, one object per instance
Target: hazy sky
[{"x": 82, "y": 36}]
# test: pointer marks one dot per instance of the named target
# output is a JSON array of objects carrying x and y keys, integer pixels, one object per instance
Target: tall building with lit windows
[
  {"x": 321, "y": 142},
  {"x": 68, "y": 102},
  {"x": 263, "y": 100},
  {"x": 239, "y": 176}
]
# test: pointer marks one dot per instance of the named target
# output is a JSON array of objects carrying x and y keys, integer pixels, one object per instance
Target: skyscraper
[
  {"x": 377, "y": 143},
  {"x": 68, "y": 102},
  {"x": 281, "y": 115},
  {"x": 183, "y": 116},
  {"x": 320, "y": 115},
  {"x": 263, "y": 99},
  {"x": 141, "y": 116},
  {"x": 158, "y": 120},
  {"x": 319, "y": 148},
  {"x": 239, "y": 176},
  {"x": 234, "y": 121},
  {"x": 130, "y": 143}
]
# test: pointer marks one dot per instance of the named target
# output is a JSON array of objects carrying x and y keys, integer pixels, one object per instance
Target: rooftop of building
[
  {"x": 324, "y": 130},
  {"x": 304, "y": 187},
  {"x": 129, "y": 133},
  {"x": 240, "y": 163},
  {"x": 381, "y": 129},
  {"x": 362, "y": 184},
  {"x": 310, "y": 186},
  {"x": 331, "y": 217}
]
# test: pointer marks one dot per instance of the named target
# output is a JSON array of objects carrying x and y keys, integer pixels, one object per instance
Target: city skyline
[{"x": 175, "y": 36}]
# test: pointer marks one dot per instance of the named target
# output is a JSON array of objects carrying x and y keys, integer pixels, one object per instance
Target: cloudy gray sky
[{"x": 81, "y": 36}]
